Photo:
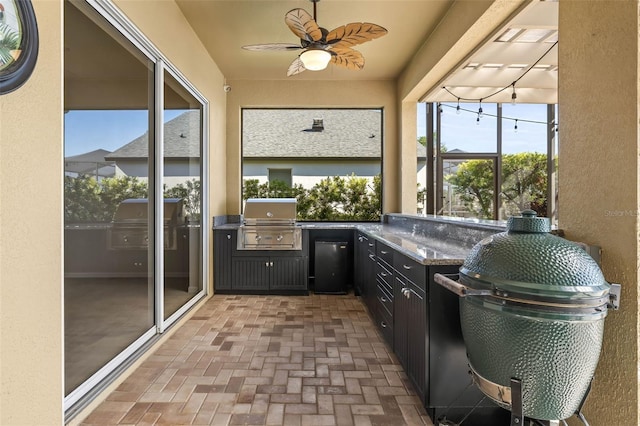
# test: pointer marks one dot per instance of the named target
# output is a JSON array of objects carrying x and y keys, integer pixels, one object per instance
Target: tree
[
  {"x": 333, "y": 198},
  {"x": 524, "y": 184},
  {"x": 191, "y": 194},
  {"x": 87, "y": 200},
  {"x": 473, "y": 182}
]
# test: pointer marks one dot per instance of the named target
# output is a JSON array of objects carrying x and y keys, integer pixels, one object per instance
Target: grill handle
[{"x": 461, "y": 290}]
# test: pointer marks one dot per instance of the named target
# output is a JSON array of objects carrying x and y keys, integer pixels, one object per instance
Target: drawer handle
[
  {"x": 384, "y": 252},
  {"x": 383, "y": 299},
  {"x": 228, "y": 236},
  {"x": 406, "y": 267},
  {"x": 372, "y": 257},
  {"x": 370, "y": 244},
  {"x": 360, "y": 239},
  {"x": 383, "y": 324},
  {"x": 383, "y": 274},
  {"x": 406, "y": 292}
]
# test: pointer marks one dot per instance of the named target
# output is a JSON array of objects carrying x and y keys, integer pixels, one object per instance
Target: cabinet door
[
  {"x": 250, "y": 273},
  {"x": 223, "y": 245},
  {"x": 288, "y": 273},
  {"x": 361, "y": 253},
  {"x": 416, "y": 318},
  {"x": 370, "y": 284},
  {"x": 400, "y": 320}
]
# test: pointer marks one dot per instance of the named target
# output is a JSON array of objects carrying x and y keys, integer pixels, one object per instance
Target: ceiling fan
[{"x": 322, "y": 46}]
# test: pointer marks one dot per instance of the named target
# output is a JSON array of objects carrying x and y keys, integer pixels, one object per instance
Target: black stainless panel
[{"x": 331, "y": 267}]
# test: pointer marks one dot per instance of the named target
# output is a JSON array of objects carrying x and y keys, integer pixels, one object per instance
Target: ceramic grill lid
[
  {"x": 544, "y": 273},
  {"x": 532, "y": 308}
]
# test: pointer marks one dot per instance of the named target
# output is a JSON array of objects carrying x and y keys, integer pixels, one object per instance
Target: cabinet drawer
[
  {"x": 385, "y": 325},
  {"x": 384, "y": 253},
  {"x": 384, "y": 274},
  {"x": 385, "y": 299},
  {"x": 411, "y": 269}
]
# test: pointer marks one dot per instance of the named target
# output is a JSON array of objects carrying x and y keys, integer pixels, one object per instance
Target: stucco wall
[
  {"x": 31, "y": 171},
  {"x": 316, "y": 94},
  {"x": 598, "y": 178}
]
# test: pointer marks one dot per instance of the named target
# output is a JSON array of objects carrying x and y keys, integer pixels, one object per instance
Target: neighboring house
[
  {"x": 303, "y": 146},
  {"x": 181, "y": 151},
  {"x": 90, "y": 163}
]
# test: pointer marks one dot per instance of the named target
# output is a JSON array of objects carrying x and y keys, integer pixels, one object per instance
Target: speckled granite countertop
[{"x": 427, "y": 250}]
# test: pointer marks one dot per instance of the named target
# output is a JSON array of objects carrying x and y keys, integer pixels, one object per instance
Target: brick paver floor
[{"x": 269, "y": 360}]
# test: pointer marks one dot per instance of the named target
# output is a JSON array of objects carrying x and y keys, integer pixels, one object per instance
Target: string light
[
  {"x": 553, "y": 124},
  {"x": 513, "y": 94},
  {"x": 480, "y": 113},
  {"x": 515, "y": 127},
  {"x": 458, "y": 107}
]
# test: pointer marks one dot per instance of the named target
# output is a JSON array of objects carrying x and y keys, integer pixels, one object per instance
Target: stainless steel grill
[
  {"x": 269, "y": 224},
  {"x": 130, "y": 225}
]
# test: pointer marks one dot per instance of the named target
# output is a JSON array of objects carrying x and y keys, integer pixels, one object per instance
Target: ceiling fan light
[{"x": 315, "y": 59}]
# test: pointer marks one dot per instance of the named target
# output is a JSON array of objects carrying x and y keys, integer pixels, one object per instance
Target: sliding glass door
[{"x": 134, "y": 193}]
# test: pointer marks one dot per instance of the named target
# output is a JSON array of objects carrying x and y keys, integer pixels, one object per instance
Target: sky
[{"x": 86, "y": 131}]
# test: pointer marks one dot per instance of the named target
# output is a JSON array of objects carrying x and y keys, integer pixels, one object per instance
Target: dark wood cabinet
[
  {"x": 224, "y": 243},
  {"x": 288, "y": 273},
  {"x": 361, "y": 263},
  {"x": 87, "y": 255},
  {"x": 410, "y": 319},
  {"x": 384, "y": 295},
  {"x": 261, "y": 271}
]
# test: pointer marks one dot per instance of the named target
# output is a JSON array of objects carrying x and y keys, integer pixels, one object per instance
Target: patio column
[{"x": 598, "y": 98}]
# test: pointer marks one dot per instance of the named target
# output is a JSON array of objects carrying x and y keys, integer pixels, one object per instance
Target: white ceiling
[
  {"x": 522, "y": 51},
  {"x": 224, "y": 26}
]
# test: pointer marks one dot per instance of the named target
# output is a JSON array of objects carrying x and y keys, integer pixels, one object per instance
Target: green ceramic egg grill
[{"x": 532, "y": 308}]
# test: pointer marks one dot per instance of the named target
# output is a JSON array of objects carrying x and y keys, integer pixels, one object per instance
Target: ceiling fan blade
[
  {"x": 347, "y": 58},
  {"x": 354, "y": 33},
  {"x": 296, "y": 67},
  {"x": 273, "y": 46},
  {"x": 303, "y": 25}
]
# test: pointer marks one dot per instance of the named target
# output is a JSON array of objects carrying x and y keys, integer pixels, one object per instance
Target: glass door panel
[
  {"x": 108, "y": 222},
  {"x": 468, "y": 188},
  {"x": 182, "y": 165},
  {"x": 524, "y": 159}
]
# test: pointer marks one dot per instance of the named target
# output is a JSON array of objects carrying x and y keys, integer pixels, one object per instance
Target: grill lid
[
  {"x": 529, "y": 262},
  {"x": 271, "y": 211},
  {"x": 136, "y": 211}
]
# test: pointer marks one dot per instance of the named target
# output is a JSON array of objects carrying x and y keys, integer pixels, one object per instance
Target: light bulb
[
  {"x": 515, "y": 128},
  {"x": 478, "y": 120},
  {"x": 315, "y": 59},
  {"x": 513, "y": 96},
  {"x": 458, "y": 107},
  {"x": 480, "y": 114}
]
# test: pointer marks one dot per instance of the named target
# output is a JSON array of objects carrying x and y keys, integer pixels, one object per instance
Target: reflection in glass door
[
  {"x": 133, "y": 188},
  {"x": 182, "y": 177},
  {"x": 108, "y": 222}
]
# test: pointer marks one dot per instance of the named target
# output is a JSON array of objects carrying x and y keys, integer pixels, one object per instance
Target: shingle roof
[
  {"x": 270, "y": 133},
  {"x": 181, "y": 140},
  {"x": 90, "y": 162}
]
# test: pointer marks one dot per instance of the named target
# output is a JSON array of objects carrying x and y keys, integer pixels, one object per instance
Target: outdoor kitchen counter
[{"x": 424, "y": 250}]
